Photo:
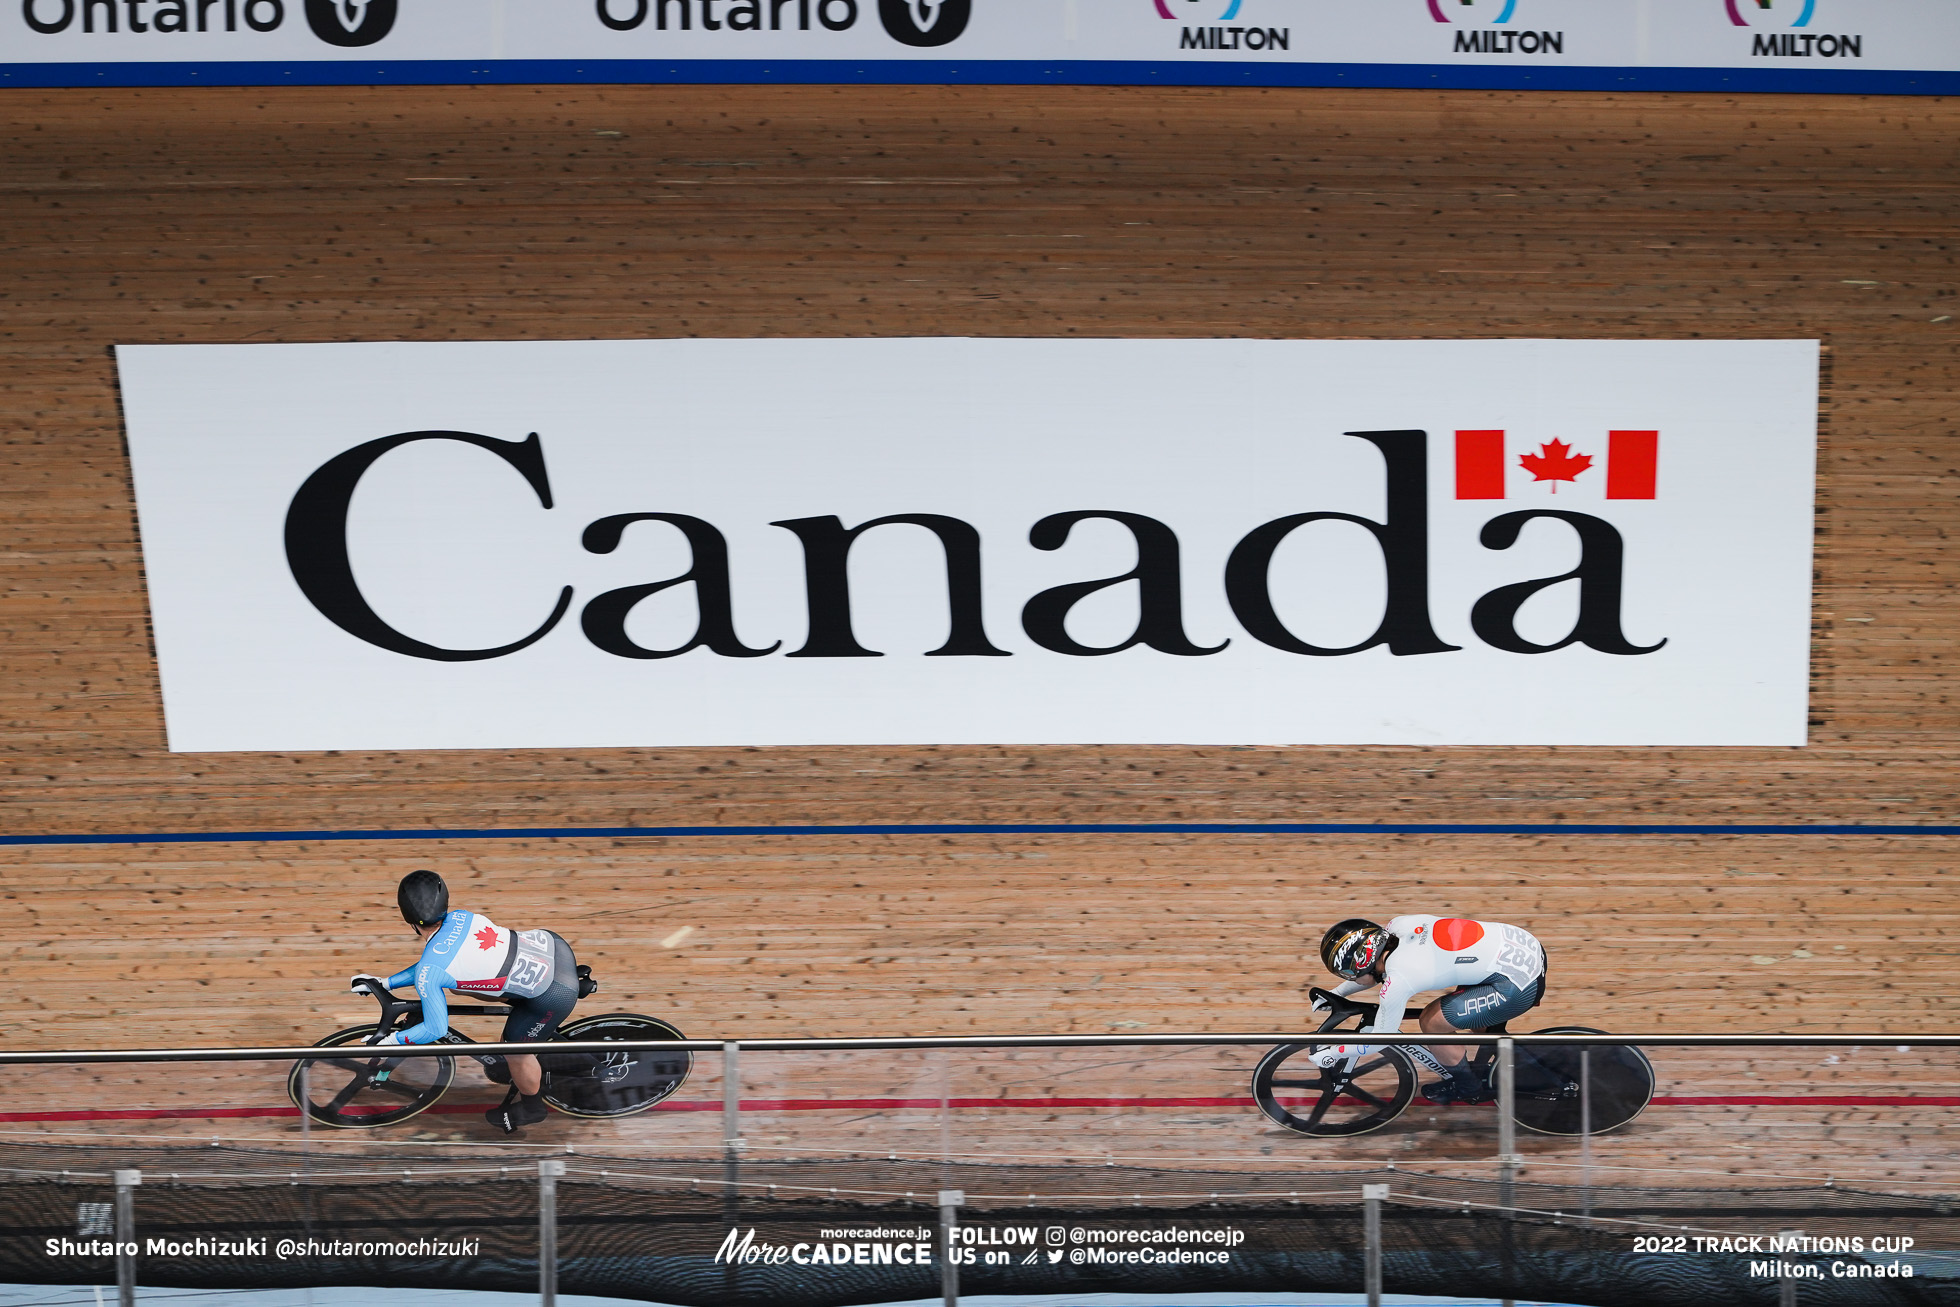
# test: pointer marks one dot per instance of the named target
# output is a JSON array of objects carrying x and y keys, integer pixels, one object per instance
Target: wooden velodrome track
[{"x": 507, "y": 213}]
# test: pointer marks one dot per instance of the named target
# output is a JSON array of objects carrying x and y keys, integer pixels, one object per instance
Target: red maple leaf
[
  {"x": 486, "y": 938},
  {"x": 1555, "y": 462}
]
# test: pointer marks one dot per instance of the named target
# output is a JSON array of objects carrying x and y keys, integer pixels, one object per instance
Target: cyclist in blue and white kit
[
  {"x": 533, "y": 971},
  {"x": 1496, "y": 973}
]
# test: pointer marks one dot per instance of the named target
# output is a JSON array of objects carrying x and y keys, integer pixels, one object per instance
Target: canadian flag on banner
[{"x": 1631, "y": 459}]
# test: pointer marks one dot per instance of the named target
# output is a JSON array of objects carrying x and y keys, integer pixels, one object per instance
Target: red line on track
[
  {"x": 891, "y": 1104},
  {"x": 1814, "y": 1100}
]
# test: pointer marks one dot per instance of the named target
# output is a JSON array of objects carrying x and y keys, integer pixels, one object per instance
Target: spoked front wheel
[
  {"x": 1295, "y": 1093},
  {"x": 1548, "y": 1094},
  {"x": 622, "y": 1083},
  {"x": 362, "y": 1088}
]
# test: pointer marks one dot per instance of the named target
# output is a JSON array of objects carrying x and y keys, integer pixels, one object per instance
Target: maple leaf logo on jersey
[
  {"x": 486, "y": 938},
  {"x": 1555, "y": 462}
]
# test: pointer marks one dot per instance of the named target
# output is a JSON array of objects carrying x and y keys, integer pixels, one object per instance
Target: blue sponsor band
[
  {"x": 982, "y": 72},
  {"x": 989, "y": 828}
]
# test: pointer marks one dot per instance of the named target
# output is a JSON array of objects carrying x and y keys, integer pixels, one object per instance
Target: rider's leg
[
  {"x": 1472, "y": 1008},
  {"x": 1435, "y": 1023},
  {"x": 526, "y": 1074},
  {"x": 534, "y": 1020},
  {"x": 1459, "y": 1082}
]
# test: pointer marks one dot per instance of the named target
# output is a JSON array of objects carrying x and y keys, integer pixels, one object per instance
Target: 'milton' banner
[
  {"x": 1526, "y": 43},
  {"x": 720, "y": 542}
]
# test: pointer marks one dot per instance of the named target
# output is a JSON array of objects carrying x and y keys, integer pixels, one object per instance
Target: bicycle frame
[
  {"x": 617, "y": 1082},
  {"x": 1547, "y": 1099},
  {"x": 402, "y": 1013},
  {"x": 1340, "y": 1008}
]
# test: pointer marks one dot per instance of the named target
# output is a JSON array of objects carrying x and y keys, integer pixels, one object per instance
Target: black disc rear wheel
[
  {"x": 363, "y": 1089},
  {"x": 624, "y": 1082},
  {"x": 1295, "y": 1093},
  {"x": 1619, "y": 1078}
]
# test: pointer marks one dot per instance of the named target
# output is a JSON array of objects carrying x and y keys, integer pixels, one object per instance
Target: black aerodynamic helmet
[
  {"x": 424, "y": 899},
  {"x": 1354, "y": 947}
]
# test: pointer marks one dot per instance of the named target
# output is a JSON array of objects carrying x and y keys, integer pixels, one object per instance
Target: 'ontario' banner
[
  {"x": 1862, "y": 46},
  {"x": 959, "y": 541}
]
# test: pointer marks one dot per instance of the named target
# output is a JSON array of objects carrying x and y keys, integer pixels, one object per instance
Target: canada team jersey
[
  {"x": 474, "y": 955},
  {"x": 1445, "y": 952}
]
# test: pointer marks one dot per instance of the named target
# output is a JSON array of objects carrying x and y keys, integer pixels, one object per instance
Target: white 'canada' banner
[{"x": 922, "y": 541}]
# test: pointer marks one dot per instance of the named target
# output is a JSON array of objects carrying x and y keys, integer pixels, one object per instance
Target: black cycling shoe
[
  {"x": 1450, "y": 1091},
  {"x": 514, "y": 1113}
]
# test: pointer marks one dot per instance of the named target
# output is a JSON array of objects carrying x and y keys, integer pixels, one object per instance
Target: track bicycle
[
  {"x": 367, "y": 1088},
  {"x": 1546, "y": 1093}
]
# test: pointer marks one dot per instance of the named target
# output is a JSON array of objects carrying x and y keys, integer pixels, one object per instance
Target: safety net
[{"x": 804, "y": 1233}]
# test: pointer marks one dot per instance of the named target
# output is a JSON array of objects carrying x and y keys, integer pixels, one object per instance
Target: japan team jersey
[
  {"x": 475, "y": 955},
  {"x": 1445, "y": 952}
]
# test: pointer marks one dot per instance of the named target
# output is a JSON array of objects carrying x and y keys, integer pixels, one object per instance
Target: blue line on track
[
  {"x": 975, "y": 828},
  {"x": 984, "y": 72}
]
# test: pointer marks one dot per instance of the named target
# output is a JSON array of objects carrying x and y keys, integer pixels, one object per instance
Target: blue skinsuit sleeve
[
  {"x": 431, "y": 974},
  {"x": 435, "y": 1012}
]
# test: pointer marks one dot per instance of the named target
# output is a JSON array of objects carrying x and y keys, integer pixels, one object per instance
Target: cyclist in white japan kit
[
  {"x": 1497, "y": 973},
  {"x": 533, "y": 971}
]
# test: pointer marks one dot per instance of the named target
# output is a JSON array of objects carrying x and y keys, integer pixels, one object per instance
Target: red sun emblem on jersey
[{"x": 486, "y": 938}]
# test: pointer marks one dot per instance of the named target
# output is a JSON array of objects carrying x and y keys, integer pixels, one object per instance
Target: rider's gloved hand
[
  {"x": 1320, "y": 1003},
  {"x": 354, "y": 985}
]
